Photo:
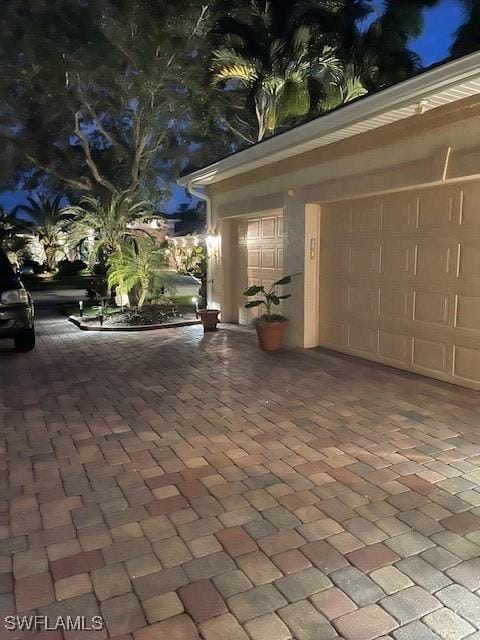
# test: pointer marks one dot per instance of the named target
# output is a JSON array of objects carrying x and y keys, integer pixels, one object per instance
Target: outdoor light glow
[
  {"x": 194, "y": 300},
  {"x": 212, "y": 242}
]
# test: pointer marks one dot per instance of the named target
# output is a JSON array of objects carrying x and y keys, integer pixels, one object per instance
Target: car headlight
[{"x": 14, "y": 296}]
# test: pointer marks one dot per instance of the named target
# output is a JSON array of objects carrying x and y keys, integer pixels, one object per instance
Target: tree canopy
[{"x": 108, "y": 97}]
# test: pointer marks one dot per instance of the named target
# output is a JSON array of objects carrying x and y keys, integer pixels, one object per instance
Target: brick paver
[{"x": 186, "y": 486}]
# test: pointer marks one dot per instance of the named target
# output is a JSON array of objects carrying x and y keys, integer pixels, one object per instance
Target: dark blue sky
[{"x": 433, "y": 46}]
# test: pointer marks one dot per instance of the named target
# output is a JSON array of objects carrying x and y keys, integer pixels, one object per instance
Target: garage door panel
[
  {"x": 470, "y": 211},
  {"x": 362, "y": 339},
  {"x": 335, "y": 260},
  {"x": 366, "y": 218},
  {"x": 394, "y": 347},
  {"x": 334, "y": 334},
  {"x": 469, "y": 261},
  {"x": 430, "y": 355},
  {"x": 412, "y": 283},
  {"x": 467, "y": 363},
  {"x": 336, "y": 297},
  {"x": 398, "y": 260},
  {"x": 394, "y": 303},
  {"x": 400, "y": 214},
  {"x": 438, "y": 209},
  {"x": 435, "y": 260},
  {"x": 363, "y": 300},
  {"x": 340, "y": 221},
  {"x": 432, "y": 308},
  {"x": 467, "y": 312},
  {"x": 364, "y": 259}
]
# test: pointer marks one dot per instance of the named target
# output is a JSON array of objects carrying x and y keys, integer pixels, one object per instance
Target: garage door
[
  {"x": 260, "y": 241},
  {"x": 400, "y": 281}
]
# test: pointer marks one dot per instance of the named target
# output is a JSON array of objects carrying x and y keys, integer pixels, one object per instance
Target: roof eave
[{"x": 405, "y": 93}]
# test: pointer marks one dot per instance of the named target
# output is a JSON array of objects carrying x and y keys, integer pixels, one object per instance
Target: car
[{"x": 16, "y": 307}]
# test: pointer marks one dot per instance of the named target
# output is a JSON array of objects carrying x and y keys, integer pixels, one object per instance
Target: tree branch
[
  {"x": 239, "y": 133},
  {"x": 89, "y": 159},
  {"x": 114, "y": 141},
  {"x": 83, "y": 185}
]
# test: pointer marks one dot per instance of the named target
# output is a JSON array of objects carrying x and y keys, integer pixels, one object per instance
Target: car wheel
[{"x": 25, "y": 341}]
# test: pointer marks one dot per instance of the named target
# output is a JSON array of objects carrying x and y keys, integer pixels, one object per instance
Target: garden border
[{"x": 143, "y": 327}]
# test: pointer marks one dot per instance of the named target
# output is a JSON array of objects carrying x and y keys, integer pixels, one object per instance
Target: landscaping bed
[{"x": 136, "y": 319}]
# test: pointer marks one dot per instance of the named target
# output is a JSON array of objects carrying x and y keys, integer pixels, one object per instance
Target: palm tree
[
  {"x": 467, "y": 37},
  {"x": 49, "y": 223},
  {"x": 275, "y": 57},
  {"x": 106, "y": 226},
  {"x": 142, "y": 265},
  {"x": 382, "y": 50},
  {"x": 342, "y": 89}
]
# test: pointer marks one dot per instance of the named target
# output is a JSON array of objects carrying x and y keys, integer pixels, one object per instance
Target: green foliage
[
  {"x": 142, "y": 266},
  {"x": 269, "y": 298},
  {"x": 70, "y": 268},
  {"x": 346, "y": 87},
  {"x": 275, "y": 58},
  {"x": 105, "y": 226},
  {"x": 188, "y": 255},
  {"x": 95, "y": 93},
  {"x": 16, "y": 246},
  {"x": 49, "y": 223},
  {"x": 106, "y": 97}
]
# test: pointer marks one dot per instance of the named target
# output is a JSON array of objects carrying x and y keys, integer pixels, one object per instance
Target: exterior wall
[{"x": 439, "y": 146}]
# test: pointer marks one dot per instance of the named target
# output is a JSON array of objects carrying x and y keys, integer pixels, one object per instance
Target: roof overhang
[{"x": 439, "y": 86}]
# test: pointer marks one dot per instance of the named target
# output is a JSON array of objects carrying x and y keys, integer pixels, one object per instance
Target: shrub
[{"x": 70, "y": 268}]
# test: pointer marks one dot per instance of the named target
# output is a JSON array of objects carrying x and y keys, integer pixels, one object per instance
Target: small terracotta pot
[
  {"x": 209, "y": 318},
  {"x": 270, "y": 335}
]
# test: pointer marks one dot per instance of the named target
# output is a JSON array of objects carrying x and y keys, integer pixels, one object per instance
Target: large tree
[
  {"x": 95, "y": 92},
  {"x": 274, "y": 55},
  {"x": 383, "y": 50},
  {"x": 283, "y": 60},
  {"x": 467, "y": 37}
]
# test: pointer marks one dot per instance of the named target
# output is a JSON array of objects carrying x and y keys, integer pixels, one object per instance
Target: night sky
[{"x": 440, "y": 25}]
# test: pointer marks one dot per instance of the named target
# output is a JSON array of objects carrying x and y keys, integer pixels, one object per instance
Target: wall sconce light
[{"x": 212, "y": 243}]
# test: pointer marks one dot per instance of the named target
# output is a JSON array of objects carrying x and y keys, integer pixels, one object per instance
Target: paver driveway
[{"x": 180, "y": 485}]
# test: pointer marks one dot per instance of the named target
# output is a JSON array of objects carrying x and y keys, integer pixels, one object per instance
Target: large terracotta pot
[
  {"x": 209, "y": 318},
  {"x": 270, "y": 335}
]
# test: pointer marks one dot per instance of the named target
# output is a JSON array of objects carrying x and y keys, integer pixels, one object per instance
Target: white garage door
[
  {"x": 260, "y": 260},
  {"x": 400, "y": 280}
]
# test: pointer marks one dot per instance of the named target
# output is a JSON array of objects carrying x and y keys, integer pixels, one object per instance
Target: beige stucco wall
[{"x": 441, "y": 145}]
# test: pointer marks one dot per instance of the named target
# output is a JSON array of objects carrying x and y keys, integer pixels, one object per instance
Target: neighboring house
[
  {"x": 377, "y": 204},
  {"x": 159, "y": 229}
]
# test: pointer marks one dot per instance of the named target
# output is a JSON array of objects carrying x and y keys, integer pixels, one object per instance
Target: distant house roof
[{"x": 440, "y": 85}]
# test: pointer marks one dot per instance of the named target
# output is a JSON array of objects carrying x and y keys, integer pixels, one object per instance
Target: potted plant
[
  {"x": 209, "y": 318},
  {"x": 270, "y": 326}
]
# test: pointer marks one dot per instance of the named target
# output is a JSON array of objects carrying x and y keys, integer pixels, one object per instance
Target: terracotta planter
[
  {"x": 270, "y": 335},
  {"x": 209, "y": 318}
]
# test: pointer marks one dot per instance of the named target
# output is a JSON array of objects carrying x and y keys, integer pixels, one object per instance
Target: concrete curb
[{"x": 144, "y": 327}]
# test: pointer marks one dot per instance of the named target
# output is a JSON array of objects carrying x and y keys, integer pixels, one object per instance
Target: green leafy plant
[
  {"x": 270, "y": 299},
  {"x": 104, "y": 226},
  {"x": 141, "y": 266},
  {"x": 49, "y": 224}
]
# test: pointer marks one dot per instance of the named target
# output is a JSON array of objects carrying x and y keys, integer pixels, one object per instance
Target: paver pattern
[{"x": 185, "y": 486}]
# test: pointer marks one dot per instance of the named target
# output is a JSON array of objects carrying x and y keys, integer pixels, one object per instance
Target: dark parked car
[{"x": 16, "y": 308}]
